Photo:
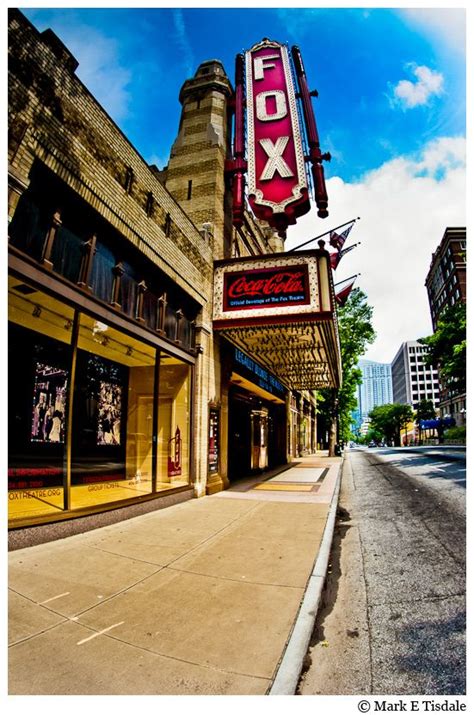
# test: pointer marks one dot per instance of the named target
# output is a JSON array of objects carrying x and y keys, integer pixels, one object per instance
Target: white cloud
[
  {"x": 447, "y": 25},
  {"x": 183, "y": 42},
  {"x": 405, "y": 207},
  {"x": 413, "y": 94},
  {"x": 441, "y": 155}
]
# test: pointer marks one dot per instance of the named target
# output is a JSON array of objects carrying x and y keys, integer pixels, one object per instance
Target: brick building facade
[
  {"x": 446, "y": 287},
  {"x": 119, "y": 390}
]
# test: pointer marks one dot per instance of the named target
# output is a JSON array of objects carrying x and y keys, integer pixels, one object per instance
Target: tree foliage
[
  {"x": 447, "y": 347},
  {"x": 373, "y": 435},
  {"x": 390, "y": 420},
  {"x": 355, "y": 335},
  {"x": 425, "y": 410}
]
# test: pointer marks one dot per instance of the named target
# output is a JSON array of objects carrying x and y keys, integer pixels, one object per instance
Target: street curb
[{"x": 291, "y": 665}]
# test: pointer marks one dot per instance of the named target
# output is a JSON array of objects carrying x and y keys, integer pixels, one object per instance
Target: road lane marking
[
  {"x": 99, "y": 633},
  {"x": 53, "y": 598}
]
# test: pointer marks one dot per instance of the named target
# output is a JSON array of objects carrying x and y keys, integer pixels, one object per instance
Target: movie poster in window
[
  {"x": 213, "y": 441},
  {"x": 110, "y": 414},
  {"x": 49, "y": 404}
]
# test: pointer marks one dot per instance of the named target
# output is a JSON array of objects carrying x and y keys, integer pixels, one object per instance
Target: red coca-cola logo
[
  {"x": 274, "y": 285},
  {"x": 266, "y": 287}
]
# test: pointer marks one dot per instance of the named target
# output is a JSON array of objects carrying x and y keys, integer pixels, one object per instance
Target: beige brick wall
[{"x": 55, "y": 119}]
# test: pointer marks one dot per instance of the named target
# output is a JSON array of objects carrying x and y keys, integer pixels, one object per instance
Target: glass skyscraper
[{"x": 376, "y": 388}]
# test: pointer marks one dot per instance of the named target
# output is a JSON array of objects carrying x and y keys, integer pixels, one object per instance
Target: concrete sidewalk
[{"x": 200, "y": 598}]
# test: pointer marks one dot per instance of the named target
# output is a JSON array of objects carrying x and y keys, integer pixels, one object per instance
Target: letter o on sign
[{"x": 280, "y": 102}]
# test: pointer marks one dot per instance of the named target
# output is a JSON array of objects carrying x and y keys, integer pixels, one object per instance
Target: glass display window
[
  {"x": 93, "y": 419},
  {"x": 113, "y": 411},
  {"x": 174, "y": 411},
  {"x": 39, "y": 366}
]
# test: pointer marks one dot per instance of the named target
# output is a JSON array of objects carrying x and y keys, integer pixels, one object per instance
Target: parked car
[{"x": 372, "y": 444}]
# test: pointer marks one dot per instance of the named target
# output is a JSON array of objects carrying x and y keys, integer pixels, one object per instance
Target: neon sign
[
  {"x": 277, "y": 186},
  {"x": 269, "y": 287},
  {"x": 268, "y": 138}
]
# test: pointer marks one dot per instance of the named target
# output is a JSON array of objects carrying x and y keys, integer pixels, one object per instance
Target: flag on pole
[
  {"x": 337, "y": 240},
  {"x": 349, "y": 248},
  {"x": 344, "y": 293},
  {"x": 334, "y": 258}
]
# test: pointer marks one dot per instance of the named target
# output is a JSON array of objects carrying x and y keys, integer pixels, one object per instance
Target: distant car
[{"x": 372, "y": 444}]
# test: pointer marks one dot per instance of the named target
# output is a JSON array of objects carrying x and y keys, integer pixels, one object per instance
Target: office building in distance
[{"x": 412, "y": 380}]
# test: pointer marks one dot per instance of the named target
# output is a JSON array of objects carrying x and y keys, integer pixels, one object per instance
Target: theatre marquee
[{"x": 280, "y": 309}]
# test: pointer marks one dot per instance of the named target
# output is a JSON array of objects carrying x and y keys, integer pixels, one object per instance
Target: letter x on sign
[{"x": 275, "y": 159}]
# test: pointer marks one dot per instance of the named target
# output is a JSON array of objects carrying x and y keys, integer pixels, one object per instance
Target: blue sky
[
  {"x": 135, "y": 61},
  {"x": 391, "y": 110}
]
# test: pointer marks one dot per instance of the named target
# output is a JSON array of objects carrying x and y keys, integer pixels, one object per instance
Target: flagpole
[
  {"x": 356, "y": 275},
  {"x": 354, "y": 245},
  {"x": 353, "y": 220},
  {"x": 336, "y": 257}
]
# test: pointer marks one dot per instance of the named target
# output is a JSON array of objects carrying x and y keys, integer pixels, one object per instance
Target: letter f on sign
[
  {"x": 275, "y": 159},
  {"x": 259, "y": 65}
]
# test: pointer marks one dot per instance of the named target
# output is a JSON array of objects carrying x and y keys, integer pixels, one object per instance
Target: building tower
[
  {"x": 195, "y": 173},
  {"x": 413, "y": 380},
  {"x": 446, "y": 279},
  {"x": 446, "y": 287},
  {"x": 195, "y": 177},
  {"x": 376, "y": 387}
]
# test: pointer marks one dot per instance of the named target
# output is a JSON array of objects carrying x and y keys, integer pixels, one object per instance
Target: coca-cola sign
[
  {"x": 267, "y": 287},
  {"x": 278, "y": 310},
  {"x": 277, "y": 185}
]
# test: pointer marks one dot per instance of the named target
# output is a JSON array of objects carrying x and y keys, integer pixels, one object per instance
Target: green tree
[
  {"x": 355, "y": 335},
  {"x": 374, "y": 435},
  {"x": 425, "y": 410},
  {"x": 390, "y": 420},
  {"x": 447, "y": 347}
]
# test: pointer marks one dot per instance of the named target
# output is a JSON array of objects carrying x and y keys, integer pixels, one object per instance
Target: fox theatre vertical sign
[
  {"x": 277, "y": 185},
  {"x": 266, "y": 105}
]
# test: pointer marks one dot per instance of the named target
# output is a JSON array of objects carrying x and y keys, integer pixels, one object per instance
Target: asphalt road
[{"x": 393, "y": 619}]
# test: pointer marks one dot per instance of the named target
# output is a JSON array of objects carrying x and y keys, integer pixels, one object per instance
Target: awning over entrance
[{"x": 279, "y": 309}]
